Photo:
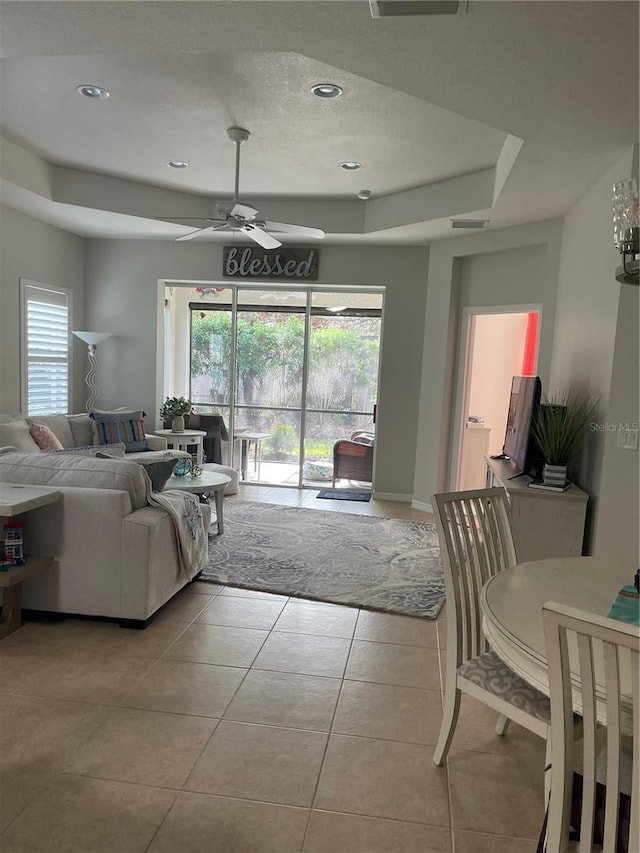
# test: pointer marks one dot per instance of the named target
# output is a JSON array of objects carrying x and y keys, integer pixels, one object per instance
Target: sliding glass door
[{"x": 290, "y": 371}]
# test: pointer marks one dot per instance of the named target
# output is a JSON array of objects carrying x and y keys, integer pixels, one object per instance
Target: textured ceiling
[{"x": 509, "y": 112}]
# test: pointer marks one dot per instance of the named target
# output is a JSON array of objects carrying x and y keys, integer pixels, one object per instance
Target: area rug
[
  {"x": 343, "y": 495},
  {"x": 383, "y": 564}
]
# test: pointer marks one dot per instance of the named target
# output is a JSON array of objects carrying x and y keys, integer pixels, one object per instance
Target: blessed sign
[{"x": 254, "y": 262}]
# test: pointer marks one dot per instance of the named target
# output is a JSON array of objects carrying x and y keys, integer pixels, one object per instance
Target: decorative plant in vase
[
  {"x": 173, "y": 412},
  {"x": 560, "y": 429}
]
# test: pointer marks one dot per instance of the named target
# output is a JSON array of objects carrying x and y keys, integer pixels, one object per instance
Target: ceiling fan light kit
[{"x": 242, "y": 218}]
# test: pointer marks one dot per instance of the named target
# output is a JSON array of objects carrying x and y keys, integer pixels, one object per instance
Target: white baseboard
[
  {"x": 425, "y": 507},
  {"x": 392, "y": 496}
]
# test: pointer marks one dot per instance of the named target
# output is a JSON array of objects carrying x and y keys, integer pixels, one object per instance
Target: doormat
[
  {"x": 343, "y": 495},
  {"x": 386, "y": 564}
]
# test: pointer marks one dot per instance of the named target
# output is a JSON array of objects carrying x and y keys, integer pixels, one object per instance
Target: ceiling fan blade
[
  {"x": 178, "y": 219},
  {"x": 200, "y": 231},
  {"x": 243, "y": 211},
  {"x": 261, "y": 237},
  {"x": 303, "y": 230}
]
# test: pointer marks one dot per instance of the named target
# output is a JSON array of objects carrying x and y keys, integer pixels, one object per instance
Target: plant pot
[
  {"x": 554, "y": 475},
  {"x": 177, "y": 424}
]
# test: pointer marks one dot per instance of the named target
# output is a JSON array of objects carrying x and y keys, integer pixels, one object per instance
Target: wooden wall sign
[{"x": 291, "y": 264}]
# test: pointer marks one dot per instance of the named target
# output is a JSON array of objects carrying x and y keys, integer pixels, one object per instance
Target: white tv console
[{"x": 545, "y": 524}]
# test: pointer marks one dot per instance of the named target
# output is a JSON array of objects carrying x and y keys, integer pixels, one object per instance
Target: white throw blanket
[{"x": 191, "y": 537}]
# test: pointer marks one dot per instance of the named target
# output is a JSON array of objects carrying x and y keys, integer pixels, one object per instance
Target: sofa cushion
[
  {"x": 113, "y": 450},
  {"x": 44, "y": 438},
  {"x": 58, "y": 424},
  {"x": 16, "y": 434},
  {"x": 114, "y": 427},
  {"x": 66, "y": 469},
  {"x": 81, "y": 427}
]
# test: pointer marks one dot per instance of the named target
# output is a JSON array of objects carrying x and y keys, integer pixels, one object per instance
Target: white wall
[
  {"x": 618, "y": 529},
  {"x": 39, "y": 252},
  {"x": 510, "y": 266},
  {"x": 122, "y": 296},
  {"x": 592, "y": 324},
  {"x": 496, "y": 357}
]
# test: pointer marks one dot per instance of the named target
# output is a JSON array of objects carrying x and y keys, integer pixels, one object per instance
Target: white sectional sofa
[
  {"x": 116, "y": 556},
  {"x": 72, "y": 431},
  {"x": 76, "y": 431}
]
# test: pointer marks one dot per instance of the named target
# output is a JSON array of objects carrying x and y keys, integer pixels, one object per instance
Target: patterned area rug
[{"x": 377, "y": 563}]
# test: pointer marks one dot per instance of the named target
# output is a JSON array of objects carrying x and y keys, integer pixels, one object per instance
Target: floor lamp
[{"x": 92, "y": 339}]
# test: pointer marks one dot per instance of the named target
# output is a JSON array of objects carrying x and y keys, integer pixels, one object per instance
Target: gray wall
[
  {"x": 122, "y": 296},
  {"x": 511, "y": 266},
  {"x": 596, "y": 348},
  {"x": 39, "y": 252}
]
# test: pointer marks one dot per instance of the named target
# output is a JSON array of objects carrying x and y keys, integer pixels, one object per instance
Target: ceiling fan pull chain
[{"x": 236, "y": 193}]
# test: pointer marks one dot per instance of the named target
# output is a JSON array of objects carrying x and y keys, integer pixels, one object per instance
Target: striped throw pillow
[{"x": 120, "y": 427}]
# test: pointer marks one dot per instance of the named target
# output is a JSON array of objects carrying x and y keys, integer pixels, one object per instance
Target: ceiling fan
[{"x": 242, "y": 217}]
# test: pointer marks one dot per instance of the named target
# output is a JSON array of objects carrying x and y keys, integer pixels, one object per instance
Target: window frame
[{"x": 67, "y": 293}]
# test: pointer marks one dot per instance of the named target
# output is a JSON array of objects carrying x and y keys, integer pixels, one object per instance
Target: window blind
[{"x": 46, "y": 325}]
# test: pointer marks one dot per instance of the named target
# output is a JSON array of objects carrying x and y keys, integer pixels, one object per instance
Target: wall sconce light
[
  {"x": 626, "y": 229},
  {"x": 92, "y": 339}
]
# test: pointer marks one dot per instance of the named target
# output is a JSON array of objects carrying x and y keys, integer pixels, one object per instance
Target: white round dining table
[{"x": 512, "y": 601}]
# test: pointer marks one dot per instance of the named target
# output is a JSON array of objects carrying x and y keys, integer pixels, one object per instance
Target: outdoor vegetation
[{"x": 342, "y": 375}]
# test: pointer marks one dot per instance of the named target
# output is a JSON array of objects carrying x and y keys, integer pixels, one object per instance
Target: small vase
[
  {"x": 554, "y": 475},
  {"x": 177, "y": 424},
  {"x": 183, "y": 467}
]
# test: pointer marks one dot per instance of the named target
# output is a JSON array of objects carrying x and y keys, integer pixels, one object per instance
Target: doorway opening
[
  {"x": 289, "y": 370},
  {"x": 496, "y": 347}
]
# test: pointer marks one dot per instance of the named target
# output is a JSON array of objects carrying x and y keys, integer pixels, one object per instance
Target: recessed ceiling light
[
  {"x": 91, "y": 91},
  {"x": 364, "y": 194},
  {"x": 350, "y": 166},
  {"x": 178, "y": 164},
  {"x": 326, "y": 90}
]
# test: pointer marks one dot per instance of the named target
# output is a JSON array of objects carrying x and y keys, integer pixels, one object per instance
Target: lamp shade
[{"x": 92, "y": 338}]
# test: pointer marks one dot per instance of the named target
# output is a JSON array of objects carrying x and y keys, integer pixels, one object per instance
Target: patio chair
[
  {"x": 603, "y": 798},
  {"x": 476, "y": 543},
  {"x": 353, "y": 458}
]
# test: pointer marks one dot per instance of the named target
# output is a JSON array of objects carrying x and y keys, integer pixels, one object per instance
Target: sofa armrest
[
  {"x": 83, "y": 532},
  {"x": 149, "y": 543},
  {"x": 156, "y": 442}
]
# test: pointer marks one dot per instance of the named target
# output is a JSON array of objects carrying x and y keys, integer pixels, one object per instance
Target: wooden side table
[
  {"x": 16, "y": 500},
  {"x": 182, "y": 440}
]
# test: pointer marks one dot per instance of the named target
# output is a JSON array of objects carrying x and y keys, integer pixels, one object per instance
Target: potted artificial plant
[
  {"x": 173, "y": 411},
  {"x": 560, "y": 429}
]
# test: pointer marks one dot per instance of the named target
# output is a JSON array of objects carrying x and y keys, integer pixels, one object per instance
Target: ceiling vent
[
  {"x": 405, "y": 8},
  {"x": 469, "y": 223}
]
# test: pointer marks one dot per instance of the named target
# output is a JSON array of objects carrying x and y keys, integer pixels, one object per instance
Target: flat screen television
[{"x": 519, "y": 444}]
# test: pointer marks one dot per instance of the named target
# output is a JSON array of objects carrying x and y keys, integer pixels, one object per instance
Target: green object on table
[{"x": 626, "y": 607}]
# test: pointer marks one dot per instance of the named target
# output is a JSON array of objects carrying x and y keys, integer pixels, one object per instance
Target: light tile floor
[{"x": 244, "y": 722}]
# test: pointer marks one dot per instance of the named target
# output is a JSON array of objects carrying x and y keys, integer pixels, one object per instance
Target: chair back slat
[
  {"x": 612, "y": 685},
  {"x": 476, "y": 543},
  {"x": 585, "y": 652},
  {"x": 615, "y": 645},
  {"x": 459, "y": 581}
]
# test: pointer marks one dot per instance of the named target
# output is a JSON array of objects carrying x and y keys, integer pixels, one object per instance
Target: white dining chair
[
  {"x": 610, "y": 776},
  {"x": 476, "y": 543}
]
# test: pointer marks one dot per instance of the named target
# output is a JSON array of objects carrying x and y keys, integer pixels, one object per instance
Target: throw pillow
[
  {"x": 44, "y": 438},
  {"x": 116, "y": 427},
  {"x": 112, "y": 450},
  {"x": 158, "y": 471},
  {"x": 81, "y": 429}
]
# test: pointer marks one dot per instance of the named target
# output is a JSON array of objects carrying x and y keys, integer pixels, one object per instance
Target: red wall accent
[{"x": 530, "y": 344}]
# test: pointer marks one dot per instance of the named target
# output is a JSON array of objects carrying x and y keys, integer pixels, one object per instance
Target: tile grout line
[{"x": 329, "y": 733}]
